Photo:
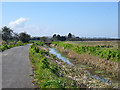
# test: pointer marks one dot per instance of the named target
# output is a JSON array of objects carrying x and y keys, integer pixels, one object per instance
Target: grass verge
[{"x": 46, "y": 73}]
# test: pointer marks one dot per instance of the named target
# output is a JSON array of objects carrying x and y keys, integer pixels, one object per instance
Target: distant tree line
[
  {"x": 9, "y": 35},
  {"x": 54, "y": 38},
  {"x": 70, "y": 37},
  {"x": 58, "y": 38}
]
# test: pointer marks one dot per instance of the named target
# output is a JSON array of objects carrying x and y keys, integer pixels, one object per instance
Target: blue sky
[{"x": 83, "y": 19}]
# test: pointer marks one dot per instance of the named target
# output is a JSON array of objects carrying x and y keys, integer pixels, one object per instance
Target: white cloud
[
  {"x": 18, "y": 23},
  {"x": 35, "y": 30},
  {"x": 19, "y": 26}
]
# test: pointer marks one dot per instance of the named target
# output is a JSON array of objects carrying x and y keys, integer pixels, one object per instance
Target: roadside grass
[
  {"x": 46, "y": 72},
  {"x": 11, "y": 44},
  {"x": 51, "y": 72},
  {"x": 7, "y": 46}
]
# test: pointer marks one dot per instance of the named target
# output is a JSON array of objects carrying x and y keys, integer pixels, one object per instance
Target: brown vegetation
[
  {"x": 109, "y": 66},
  {"x": 78, "y": 74}
]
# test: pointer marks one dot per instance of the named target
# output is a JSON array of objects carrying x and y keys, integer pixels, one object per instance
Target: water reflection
[{"x": 53, "y": 51}]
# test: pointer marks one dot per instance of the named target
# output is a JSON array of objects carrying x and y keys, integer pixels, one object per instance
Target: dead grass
[
  {"x": 109, "y": 66},
  {"x": 78, "y": 74}
]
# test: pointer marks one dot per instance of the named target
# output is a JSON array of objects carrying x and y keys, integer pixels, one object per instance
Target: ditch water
[
  {"x": 67, "y": 60},
  {"x": 53, "y": 51}
]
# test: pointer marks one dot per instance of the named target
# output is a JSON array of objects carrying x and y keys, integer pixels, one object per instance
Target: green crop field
[{"x": 108, "y": 50}]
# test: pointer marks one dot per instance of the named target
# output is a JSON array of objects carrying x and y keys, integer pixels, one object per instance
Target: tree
[
  {"x": 54, "y": 37},
  {"x": 6, "y": 33},
  {"x": 58, "y": 37},
  {"x": 35, "y": 38},
  {"x": 69, "y": 35},
  {"x": 24, "y": 37},
  {"x": 44, "y": 39},
  {"x": 16, "y": 37},
  {"x": 62, "y": 38}
]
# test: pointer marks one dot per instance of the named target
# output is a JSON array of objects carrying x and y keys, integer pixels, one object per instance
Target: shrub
[
  {"x": 51, "y": 84},
  {"x": 7, "y": 46},
  {"x": 44, "y": 63}
]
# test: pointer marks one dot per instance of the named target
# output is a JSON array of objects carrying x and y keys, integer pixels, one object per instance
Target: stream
[{"x": 67, "y": 60}]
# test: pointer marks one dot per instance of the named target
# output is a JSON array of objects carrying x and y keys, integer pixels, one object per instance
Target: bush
[
  {"x": 37, "y": 49},
  {"x": 6, "y": 46},
  {"x": 51, "y": 84},
  {"x": 44, "y": 63}
]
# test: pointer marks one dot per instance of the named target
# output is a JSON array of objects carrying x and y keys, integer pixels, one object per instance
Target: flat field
[
  {"x": 115, "y": 44},
  {"x": 100, "y": 58}
]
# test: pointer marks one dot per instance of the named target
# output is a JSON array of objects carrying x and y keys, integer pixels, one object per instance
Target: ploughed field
[{"x": 94, "y": 64}]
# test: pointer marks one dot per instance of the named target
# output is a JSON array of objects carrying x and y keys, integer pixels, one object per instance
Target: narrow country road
[{"x": 16, "y": 68}]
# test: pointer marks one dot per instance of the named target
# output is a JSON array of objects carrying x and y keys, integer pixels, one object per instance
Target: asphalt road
[{"x": 16, "y": 68}]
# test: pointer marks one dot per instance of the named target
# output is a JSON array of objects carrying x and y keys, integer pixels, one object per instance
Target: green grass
[
  {"x": 112, "y": 44},
  {"x": 46, "y": 71},
  {"x": 100, "y": 71},
  {"x": 50, "y": 74},
  {"x": 98, "y": 50},
  {"x": 7, "y": 46}
]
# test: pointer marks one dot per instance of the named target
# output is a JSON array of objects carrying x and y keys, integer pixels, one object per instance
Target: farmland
[
  {"x": 107, "y": 50},
  {"x": 60, "y": 45},
  {"x": 57, "y": 73},
  {"x": 72, "y": 64},
  {"x": 61, "y": 62}
]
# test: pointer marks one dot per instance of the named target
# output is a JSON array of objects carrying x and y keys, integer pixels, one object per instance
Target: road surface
[{"x": 16, "y": 68}]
